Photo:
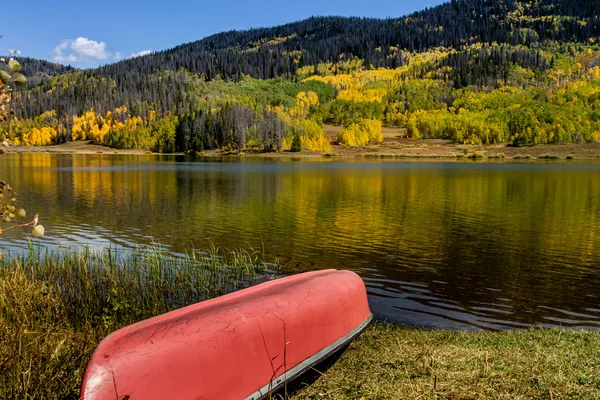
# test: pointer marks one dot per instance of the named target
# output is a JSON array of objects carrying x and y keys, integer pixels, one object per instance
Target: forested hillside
[
  {"x": 280, "y": 51},
  {"x": 474, "y": 71}
]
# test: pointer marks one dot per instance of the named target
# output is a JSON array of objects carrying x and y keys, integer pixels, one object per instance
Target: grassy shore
[
  {"x": 55, "y": 308},
  {"x": 392, "y": 362},
  {"x": 394, "y": 146}
]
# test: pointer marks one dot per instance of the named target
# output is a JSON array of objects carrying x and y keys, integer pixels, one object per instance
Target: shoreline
[
  {"x": 386, "y": 362},
  {"x": 423, "y": 149}
]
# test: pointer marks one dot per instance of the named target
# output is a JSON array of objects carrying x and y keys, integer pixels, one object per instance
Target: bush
[
  {"x": 549, "y": 157},
  {"x": 522, "y": 156},
  {"x": 476, "y": 155},
  {"x": 497, "y": 155},
  {"x": 39, "y": 137},
  {"x": 310, "y": 135},
  {"x": 361, "y": 133}
]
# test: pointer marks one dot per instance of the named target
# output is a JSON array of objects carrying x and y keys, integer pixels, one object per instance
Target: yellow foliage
[
  {"x": 316, "y": 144},
  {"x": 373, "y": 128},
  {"x": 134, "y": 122},
  {"x": 84, "y": 125},
  {"x": 362, "y": 96},
  {"x": 311, "y": 134},
  {"x": 305, "y": 72},
  {"x": 92, "y": 126},
  {"x": 39, "y": 137},
  {"x": 305, "y": 100},
  {"x": 361, "y": 133},
  {"x": 353, "y": 135},
  {"x": 357, "y": 79},
  {"x": 340, "y": 82}
]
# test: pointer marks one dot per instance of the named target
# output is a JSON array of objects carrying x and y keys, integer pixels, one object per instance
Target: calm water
[{"x": 447, "y": 245}]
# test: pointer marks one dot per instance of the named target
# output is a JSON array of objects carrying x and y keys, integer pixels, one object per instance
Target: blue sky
[{"x": 87, "y": 34}]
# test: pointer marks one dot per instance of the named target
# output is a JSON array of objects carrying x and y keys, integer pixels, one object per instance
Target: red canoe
[{"x": 240, "y": 346}]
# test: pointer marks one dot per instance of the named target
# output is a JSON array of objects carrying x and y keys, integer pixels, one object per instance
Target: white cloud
[
  {"x": 141, "y": 53},
  {"x": 81, "y": 50},
  {"x": 118, "y": 56}
]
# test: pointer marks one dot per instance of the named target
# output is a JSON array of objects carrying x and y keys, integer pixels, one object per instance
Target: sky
[{"x": 91, "y": 33}]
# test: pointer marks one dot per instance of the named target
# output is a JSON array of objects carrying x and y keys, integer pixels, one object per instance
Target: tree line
[{"x": 240, "y": 88}]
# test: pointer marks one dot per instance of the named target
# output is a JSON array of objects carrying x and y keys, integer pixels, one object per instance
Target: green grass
[
  {"x": 392, "y": 362},
  {"x": 56, "y": 307}
]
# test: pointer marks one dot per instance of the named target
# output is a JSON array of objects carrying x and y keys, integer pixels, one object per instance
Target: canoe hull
[{"x": 239, "y": 346}]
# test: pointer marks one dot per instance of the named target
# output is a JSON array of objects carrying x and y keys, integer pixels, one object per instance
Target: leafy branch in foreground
[{"x": 9, "y": 213}]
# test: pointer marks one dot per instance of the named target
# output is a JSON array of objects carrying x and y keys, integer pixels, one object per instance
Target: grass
[
  {"x": 497, "y": 155},
  {"x": 55, "y": 307},
  {"x": 407, "y": 155},
  {"x": 392, "y": 362},
  {"x": 522, "y": 157}
]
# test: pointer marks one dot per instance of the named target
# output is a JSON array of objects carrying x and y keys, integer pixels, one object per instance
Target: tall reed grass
[{"x": 55, "y": 306}]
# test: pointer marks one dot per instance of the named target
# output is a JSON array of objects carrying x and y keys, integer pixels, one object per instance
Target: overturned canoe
[{"x": 240, "y": 346}]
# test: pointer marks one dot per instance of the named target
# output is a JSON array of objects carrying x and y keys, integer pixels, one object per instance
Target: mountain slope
[
  {"x": 440, "y": 55},
  {"x": 32, "y": 66},
  {"x": 280, "y": 51}
]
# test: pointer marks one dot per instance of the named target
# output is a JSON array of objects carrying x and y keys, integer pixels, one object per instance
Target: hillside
[
  {"x": 280, "y": 51},
  {"x": 31, "y": 67},
  {"x": 253, "y": 88},
  {"x": 40, "y": 71}
]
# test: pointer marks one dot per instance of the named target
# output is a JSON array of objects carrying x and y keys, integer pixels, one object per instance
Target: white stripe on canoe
[{"x": 309, "y": 362}]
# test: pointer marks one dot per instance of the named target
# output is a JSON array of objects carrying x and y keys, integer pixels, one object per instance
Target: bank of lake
[
  {"x": 395, "y": 145},
  {"x": 56, "y": 307}
]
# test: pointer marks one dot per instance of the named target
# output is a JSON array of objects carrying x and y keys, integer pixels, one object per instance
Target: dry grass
[
  {"x": 55, "y": 308},
  {"x": 41, "y": 355},
  {"x": 389, "y": 362}
]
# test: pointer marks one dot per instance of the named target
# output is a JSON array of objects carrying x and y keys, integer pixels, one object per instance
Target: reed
[{"x": 55, "y": 306}]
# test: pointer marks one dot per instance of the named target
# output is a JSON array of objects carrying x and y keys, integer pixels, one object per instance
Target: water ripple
[{"x": 449, "y": 245}]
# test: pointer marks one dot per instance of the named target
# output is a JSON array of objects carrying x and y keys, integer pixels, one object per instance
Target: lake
[{"x": 471, "y": 245}]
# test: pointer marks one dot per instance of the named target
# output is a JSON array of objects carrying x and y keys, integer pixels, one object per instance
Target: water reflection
[{"x": 445, "y": 245}]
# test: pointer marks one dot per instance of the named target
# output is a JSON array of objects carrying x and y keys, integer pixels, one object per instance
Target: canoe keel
[{"x": 244, "y": 345}]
